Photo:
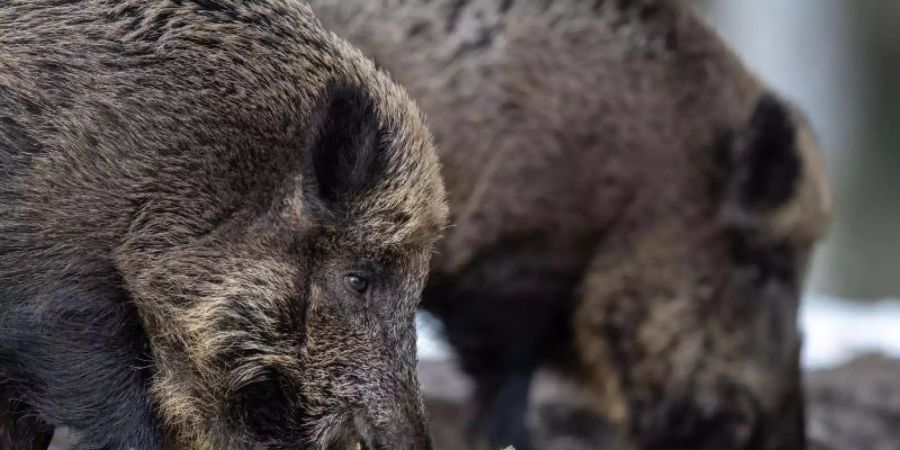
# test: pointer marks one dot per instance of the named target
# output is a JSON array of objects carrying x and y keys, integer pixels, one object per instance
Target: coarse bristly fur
[
  {"x": 628, "y": 205},
  {"x": 216, "y": 220}
]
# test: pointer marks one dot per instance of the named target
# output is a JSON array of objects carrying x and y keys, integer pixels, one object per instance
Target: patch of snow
[
  {"x": 835, "y": 330},
  {"x": 431, "y": 343}
]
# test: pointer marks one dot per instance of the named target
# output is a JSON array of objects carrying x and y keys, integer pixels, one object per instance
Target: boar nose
[
  {"x": 401, "y": 435},
  {"x": 785, "y": 428},
  {"x": 408, "y": 430},
  {"x": 407, "y": 438},
  {"x": 686, "y": 423}
]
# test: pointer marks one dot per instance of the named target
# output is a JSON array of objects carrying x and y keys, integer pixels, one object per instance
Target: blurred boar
[
  {"x": 629, "y": 206},
  {"x": 215, "y": 225}
]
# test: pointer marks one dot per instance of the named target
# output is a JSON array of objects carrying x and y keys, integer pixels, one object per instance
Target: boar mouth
[
  {"x": 735, "y": 422},
  {"x": 359, "y": 434}
]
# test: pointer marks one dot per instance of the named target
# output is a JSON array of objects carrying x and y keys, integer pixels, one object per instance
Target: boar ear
[
  {"x": 763, "y": 160},
  {"x": 348, "y": 157}
]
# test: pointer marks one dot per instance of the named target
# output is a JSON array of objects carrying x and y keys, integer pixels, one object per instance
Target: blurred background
[{"x": 839, "y": 61}]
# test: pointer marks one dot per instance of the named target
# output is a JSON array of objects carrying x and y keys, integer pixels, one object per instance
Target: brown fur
[
  {"x": 628, "y": 203},
  {"x": 184, "y": 186}
]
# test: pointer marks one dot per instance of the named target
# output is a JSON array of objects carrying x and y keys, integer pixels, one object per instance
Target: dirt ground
[
  {"x": 853, "y": 407},
  {"x": 857, "y": 406}
]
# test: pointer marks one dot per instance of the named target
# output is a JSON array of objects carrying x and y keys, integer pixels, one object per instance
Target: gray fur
[{"x": 183, "y": 186}]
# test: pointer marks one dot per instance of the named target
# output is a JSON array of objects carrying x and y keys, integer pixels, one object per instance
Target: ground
[{"x": 853, "y": 407}]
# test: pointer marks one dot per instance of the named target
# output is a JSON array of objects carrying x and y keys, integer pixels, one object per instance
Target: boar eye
[{"x": 356, "y": 283}]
